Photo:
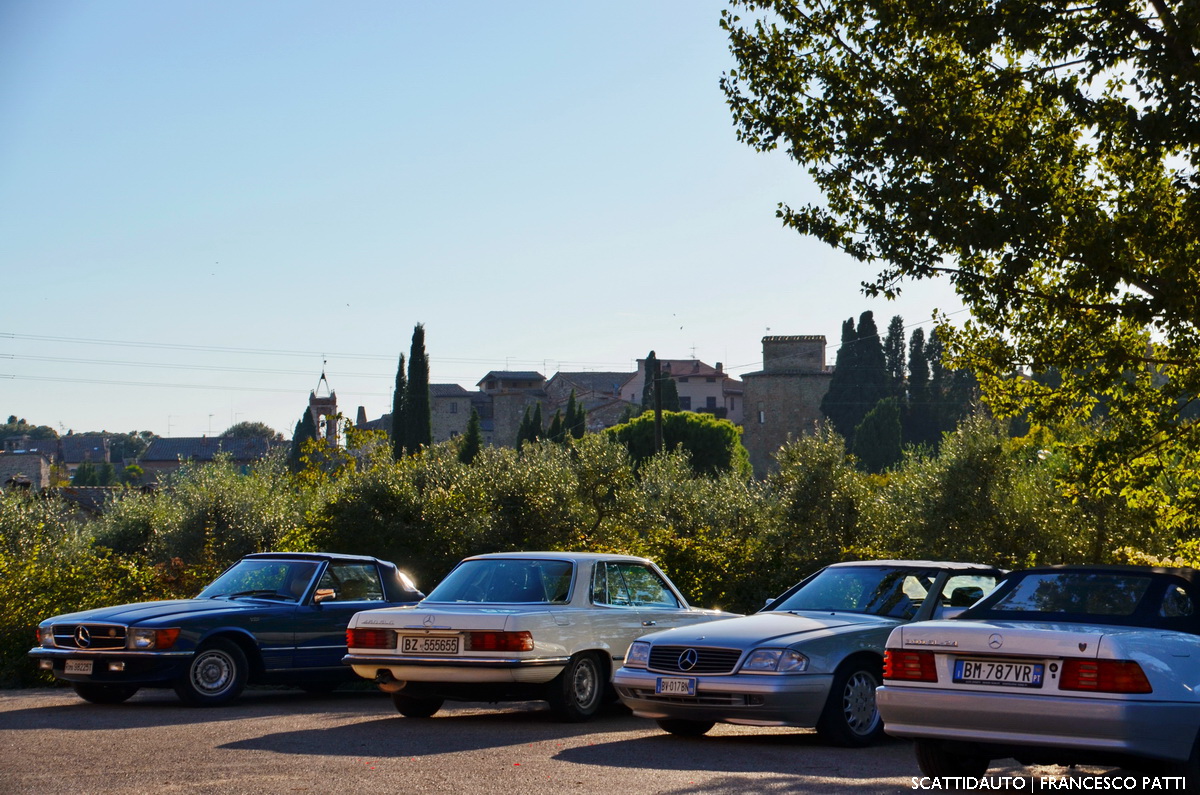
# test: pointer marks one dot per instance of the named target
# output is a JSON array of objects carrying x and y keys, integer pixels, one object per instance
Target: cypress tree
[
  {"x": 893, "y": 354},
  {"x": 418, "y": 421},
  {"x": 306, "y": 430},
  {"x": 536, "y": 429},
  {"x": 576, "y": 417},
  {"x": 670, "y": 393},
  {"x": 648, "y": 386},
  {"x": 836, "y": 403},
  {"x": 524, "y": 432},
  {"x": 106, "y": 474},
  {"x": 877, "y": 444},
  {"x": 919, "y": 426},
  {"x": 397, "y": 430},
  {"x": 85, "y": 474},
  {"x": 555, "y": 432},
  {"x": 472, "y": 441}
]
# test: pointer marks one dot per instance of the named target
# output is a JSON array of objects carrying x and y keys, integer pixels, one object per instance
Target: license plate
[
  {"x": 675, "y": 686},
  {"x": 995, "y": 672},
  {"x": 78, "y": 667},
  {"x": 428, "y": 644}
]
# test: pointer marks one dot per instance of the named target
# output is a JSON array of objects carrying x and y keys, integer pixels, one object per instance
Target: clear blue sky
[{"x": 202, "y": 202}]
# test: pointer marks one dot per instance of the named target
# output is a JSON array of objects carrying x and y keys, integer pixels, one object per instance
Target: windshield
[
  {"x": 506, "y": 581},
  {"x": 881, "y": 591},
  {"x": 268, "y": 579}
]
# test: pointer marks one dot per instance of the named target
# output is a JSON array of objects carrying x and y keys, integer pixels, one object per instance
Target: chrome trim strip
[
  {"x": 39, "y": 651},
  {"x": 453, "y": 662}
]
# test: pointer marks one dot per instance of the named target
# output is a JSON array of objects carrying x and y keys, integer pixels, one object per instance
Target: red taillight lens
[
  {"x": 499, "y": 641},
  {"x": 1103, "y": 676},
  {"x": 371, "y": 638},
  {"x": 912, "y": 666}
]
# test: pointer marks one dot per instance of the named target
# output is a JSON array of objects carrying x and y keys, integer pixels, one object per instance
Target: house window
[
  {"x": 710, "y": 402},
  {"x": 453, "y": 408},
  {"x": 710, "y": 380},
  {"x": 683, "y": 380},
  {"x": 732, "y": 403},
  {"x": 762, "y": 418},
  {"x": 685, "y": 403}
]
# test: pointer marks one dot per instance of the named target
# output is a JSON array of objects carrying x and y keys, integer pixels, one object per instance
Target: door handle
[{"x": 649, "y": 623}]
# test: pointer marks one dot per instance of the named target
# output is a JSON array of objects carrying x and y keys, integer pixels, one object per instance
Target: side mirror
[{"x": 323, "y": 595}]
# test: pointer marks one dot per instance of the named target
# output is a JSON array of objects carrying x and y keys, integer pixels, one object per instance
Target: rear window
[
  {"x": 1076, "y": 593},
  {"x": 506, "y": 581}
]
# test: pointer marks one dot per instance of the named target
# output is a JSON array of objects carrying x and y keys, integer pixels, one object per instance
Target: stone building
[
  {"x": 507, "y": 393},
  {"x": 784, "y": 398},
  {"x": 701, "y": 387},
  {"x": 598, "y": 392}
]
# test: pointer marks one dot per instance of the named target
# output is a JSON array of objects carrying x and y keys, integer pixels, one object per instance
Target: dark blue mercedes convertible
[{"x": 271, "y": 618}]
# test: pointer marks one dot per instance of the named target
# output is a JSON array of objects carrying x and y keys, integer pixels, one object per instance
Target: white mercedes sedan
[
  {"x": 518, "y": 626},
  {"x": 1059, "y": 665}
]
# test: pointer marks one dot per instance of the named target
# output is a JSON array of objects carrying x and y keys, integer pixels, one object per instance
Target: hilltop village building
[{"x": 781, "y": 401}]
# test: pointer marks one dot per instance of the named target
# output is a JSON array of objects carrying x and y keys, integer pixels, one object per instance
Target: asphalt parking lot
[{"x": 283, "y": 741}]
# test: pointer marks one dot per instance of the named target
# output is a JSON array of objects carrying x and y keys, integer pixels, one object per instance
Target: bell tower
[{"x": 322, "y": 404}]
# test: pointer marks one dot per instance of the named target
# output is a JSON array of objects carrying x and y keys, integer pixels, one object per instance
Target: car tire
[
  {"x": 577, "y": 693},
  {"x": 851, "y": 718},
  {"x": 216, "y": 674},
  {"x": 416, "y": 706},
  {"x": 104, "y": 694},
  {"x": 685, "y": 728},
  {"x": 938, "y": 759}
]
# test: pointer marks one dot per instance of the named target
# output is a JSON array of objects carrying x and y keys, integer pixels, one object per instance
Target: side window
[
  {"x": 608, "y": 586},
  {"x": 1177, "y": 603},
  {"x": 646, "y": 587},
  {"x": 964, "y": 590},
  {"x": 352, "y": 582}
]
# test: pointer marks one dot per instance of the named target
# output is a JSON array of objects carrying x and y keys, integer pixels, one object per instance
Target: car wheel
[
  {"x": 103, "y": 694},
  {"x": 937, "y": 759},
  {"x": 850, "y": 717},
  {"x": 575, "y": 694},
  {"x": 684, "y": 728},
  {"x": 216, "y": 674},
  {"x": 416, "y": 706}
]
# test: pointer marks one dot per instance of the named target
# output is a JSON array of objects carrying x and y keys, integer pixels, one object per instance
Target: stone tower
[{"x": 323, "y": 407}]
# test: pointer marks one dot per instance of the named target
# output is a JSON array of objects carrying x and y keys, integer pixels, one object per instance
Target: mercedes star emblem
[
  {"x": 83, "y": 638},
  {"x": 995, "y": 641},
  {"x": 427, "y": 621},
  {"x": 688, "y": 660}
]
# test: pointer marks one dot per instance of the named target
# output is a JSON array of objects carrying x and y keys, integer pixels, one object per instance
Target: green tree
[
  {"x": 714, "y": 445},
  {"x": 398, "y": 415},
  {"x": 576, "y": 419},
  {"x": 306, "y": 431},
  {"x": 893, "y": 355},
  {"x": 670, "y": 393},
  {"x": 19, "y": 427},
  {"x": 555, "y": 432},
  {"x": 85, "y": 475},
  {"x": 1044, "y": 157},
  {"x": 877, "y": 442},
  {"x": 472, "y": 439},
  {"x": 418, "y": 419},
  {"x": 920, "y": 420},
  {"x": 860, "y": 377},
  {"x": 648, "y": 386},
  {"x": 106, "y": 474},
  {"x": 252, "y": 430}
]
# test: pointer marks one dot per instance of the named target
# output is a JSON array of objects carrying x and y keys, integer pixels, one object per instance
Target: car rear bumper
[
  {"x": 1156, "y": 729},
  {"x": 751, "y": 700},
  {"x": 458, "y": 669},
  {"x": 115, "y": 667}
]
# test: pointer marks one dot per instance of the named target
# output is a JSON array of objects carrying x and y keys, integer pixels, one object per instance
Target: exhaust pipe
[{"x": 388, "y": 683}]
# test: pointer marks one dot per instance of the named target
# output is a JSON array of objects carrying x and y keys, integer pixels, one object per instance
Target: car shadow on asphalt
[{"x": 161, "y": 707}]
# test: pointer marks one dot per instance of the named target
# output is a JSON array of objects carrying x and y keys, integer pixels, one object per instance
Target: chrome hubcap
[
  {"x": 212, "y": 672},
  {"x": 586, "y": 683}
]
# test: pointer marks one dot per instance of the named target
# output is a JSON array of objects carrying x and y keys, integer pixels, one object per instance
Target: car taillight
[
  {"x": 1103, "y": 676},
  {"x": 912, "y": 666},
  {"x": 371, "y": 638},
  {"x": 499, "y": 641}
]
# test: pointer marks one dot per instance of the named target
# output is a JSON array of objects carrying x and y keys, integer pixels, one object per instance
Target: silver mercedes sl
[{"x": 812, "y": 657}]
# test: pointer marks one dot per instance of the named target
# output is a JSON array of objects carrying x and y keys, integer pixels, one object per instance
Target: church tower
[{"x": 322, "y": 404}]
